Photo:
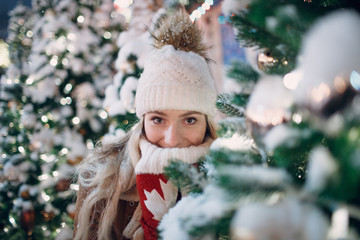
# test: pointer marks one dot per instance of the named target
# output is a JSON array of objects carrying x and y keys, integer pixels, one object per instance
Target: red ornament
[
  {"x": 27, "y": 221},
  {"x": 63, "y": 185}
]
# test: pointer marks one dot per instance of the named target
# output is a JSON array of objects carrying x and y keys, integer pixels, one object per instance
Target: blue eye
[{"x": 190, "y": 120}]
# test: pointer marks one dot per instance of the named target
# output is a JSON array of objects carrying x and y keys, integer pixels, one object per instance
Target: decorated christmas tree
[
  {"x": 62, "y": 55},
  {"x": 286, "y": 163}
]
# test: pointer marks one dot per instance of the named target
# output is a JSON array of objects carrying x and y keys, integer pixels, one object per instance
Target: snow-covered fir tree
[
  {"x": 52, "y": 112},
  {"x": 134, "y": 44},
  {"x": 286, "y": 163}
]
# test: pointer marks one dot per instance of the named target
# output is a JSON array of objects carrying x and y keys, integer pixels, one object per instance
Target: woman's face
[{"x": 175, "y": 129}]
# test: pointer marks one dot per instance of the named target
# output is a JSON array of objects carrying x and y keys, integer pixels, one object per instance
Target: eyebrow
[
  {"x": 182, "y": 115},
  {"x": 190, "y": 113}
]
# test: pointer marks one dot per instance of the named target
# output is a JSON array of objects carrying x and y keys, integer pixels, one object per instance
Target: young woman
[{"x": 123, "y": 191}]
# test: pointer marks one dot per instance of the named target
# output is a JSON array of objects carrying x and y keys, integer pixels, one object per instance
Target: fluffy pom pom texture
[{"x": 178, "y": 30}]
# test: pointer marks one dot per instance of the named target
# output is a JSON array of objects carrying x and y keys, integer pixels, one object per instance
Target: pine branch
[
  {"x": 186, "y": 177},
  {"x": 243, "y": 72},
  {"x": 225, "y": 105}
]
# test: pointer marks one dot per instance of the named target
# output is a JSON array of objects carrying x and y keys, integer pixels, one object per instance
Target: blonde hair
[{"x": 105, "y": 174}]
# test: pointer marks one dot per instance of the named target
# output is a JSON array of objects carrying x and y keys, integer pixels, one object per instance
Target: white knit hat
[{"x": 175, "y": 78}]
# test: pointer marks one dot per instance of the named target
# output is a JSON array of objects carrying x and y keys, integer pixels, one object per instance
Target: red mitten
[{"x": 157, "y": 195}]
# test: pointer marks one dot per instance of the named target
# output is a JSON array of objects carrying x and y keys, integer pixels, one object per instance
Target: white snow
[
  {"x": 329, "y": 54},
  {"x": 286, "y": 219},
  {"x": 322, "y": 168},
  {"x": 237, "y": 143}
]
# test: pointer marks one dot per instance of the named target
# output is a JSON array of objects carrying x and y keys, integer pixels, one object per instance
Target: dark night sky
[{"x": 5, "y": 7}]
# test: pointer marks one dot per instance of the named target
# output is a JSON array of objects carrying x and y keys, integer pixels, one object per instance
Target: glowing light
[
  {"x": 76, "y": 120},
  {"x": 64, "y": 151},
  {"x": 68, "y": 88},
  {"x": 63, "y": 101},
  {"x": 103, "y": 114},
  {"x": 54, "y": 61},
  {"x": 45, "y": 196},
  {"x": 197, "y": 13},
  {"x": 339, "y": 84},
  {"x": 266, "y": 117},
  {"x": 44, "y": 119},
  {"x": 55, "y": 173},
  {"x": 29, "y": 81},
  {"x": 68, "y": 100},
  {"x": 21, "y": 149},
  {"x": 89, "y": 144},
  {"x": 355, "y": 80},
  {"x": 201, "y": 10},
  {"x": 29, "y": 34},
  {"x": 12, "y": 221},
  {"x": 320, "y": 93},
  {"x": 205, "y": 6},
  {"x": 107, "y": 35},
  {"x": 80, "y": 19},
  {"x": 297, "y": 118}
]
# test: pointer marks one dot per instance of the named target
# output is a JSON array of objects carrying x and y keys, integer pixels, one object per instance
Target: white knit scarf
[{"x": 154, "y": 159}]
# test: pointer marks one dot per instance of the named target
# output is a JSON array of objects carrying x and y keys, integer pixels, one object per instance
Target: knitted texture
[
  {"x": 175, "y": 80},
  {"x": 156, "y": 193},
  {"x": 154, "y": 159}
]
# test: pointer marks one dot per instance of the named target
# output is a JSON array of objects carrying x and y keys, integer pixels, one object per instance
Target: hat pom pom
[{"x": 179, "y": 31}]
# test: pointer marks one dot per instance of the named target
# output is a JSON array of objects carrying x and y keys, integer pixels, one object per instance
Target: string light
[
  {"x": 107, "y": 35},
  {"x": 29, "y": 34},
  {"x": 197, "y": 13},
  {"x": 80, "y": 19},
  {"x": 297, "y": 118},
  {"x": 68, "y": 88},
  {"x": 103, "y": 114},
  {"x": 64, "y": 151},
  {"x": 54, "y": 61},
  {"x": 76, "y": 120},
  {"x": 89, "y": 144}
]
